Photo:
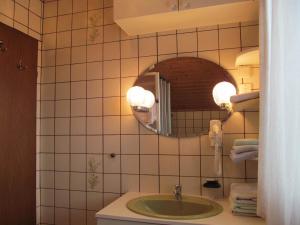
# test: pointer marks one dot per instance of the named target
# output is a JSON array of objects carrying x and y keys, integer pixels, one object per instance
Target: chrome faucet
[{"x": 177, "y": 192}]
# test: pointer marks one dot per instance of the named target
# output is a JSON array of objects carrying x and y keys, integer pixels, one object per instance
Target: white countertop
[{"x": 117, "y": 210}]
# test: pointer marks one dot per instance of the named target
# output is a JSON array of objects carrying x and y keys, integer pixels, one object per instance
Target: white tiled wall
[
  {"x": 88, "y": 63},
  {"x": 23, "y": 15}
]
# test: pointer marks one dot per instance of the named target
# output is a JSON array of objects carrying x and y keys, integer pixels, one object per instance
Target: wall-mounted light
[
  {"x": 222, "y": 92},
  {"x": 140, "y": 99}
]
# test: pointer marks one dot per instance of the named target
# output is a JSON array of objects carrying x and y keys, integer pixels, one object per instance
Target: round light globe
[
  {"x": 135, "y": 96},
  {"x": 222, "y": 92},
  {"x": 149, "y": 99}
]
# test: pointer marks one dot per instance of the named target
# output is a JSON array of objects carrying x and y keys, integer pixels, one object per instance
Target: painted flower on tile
[
  {"x": 93, "y": 177},
  {"x": 95, "y": 32}
]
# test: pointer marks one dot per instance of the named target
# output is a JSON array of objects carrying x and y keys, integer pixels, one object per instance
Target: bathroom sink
[{"x": 167, "y": 207}]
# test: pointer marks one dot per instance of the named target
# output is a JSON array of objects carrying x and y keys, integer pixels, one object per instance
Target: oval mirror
[{"x": 174, "y": 97}]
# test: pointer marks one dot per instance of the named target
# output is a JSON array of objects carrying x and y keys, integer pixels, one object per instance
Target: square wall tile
[
  {"x": 227, "y": 58},
  {"x": 94, "y": 201},
  {"x": 111, "y": 50},
  {"x": 192, "y": 185},
  {"x": 111, "y": 125},
  {"x": 169, "y": 165},
  {"x": 78, "y": 107},
  {"x": 94, "y": 53},
  {"x": 94, "y": 70},
  {"x": 190, "y": 146},
  {"x": 64, "y": 22},
  {"x": 63, "y": 39},
  {"x": 147, "y": 46},
  {"x": 78, "y": 72},
  {"x": 167, "y": 183},
  {"x": 111, "y": 69},
  {"x": 78, "y": 162},
  {"x": 129, "y": 144},
  {"x": 77, "y": 216},
  {"x": 208, "y": 40},
  {"x": 167, "y": 44},
  {"x": 79, "y": 54},
  {"x": 112, "y": 165},
  {"x": 149, "y": 144},
  {"x": 111, "y": 87},
  {"x": 112, "y": 183},
  {"x": 129, "y": 67},
  {"x": 78, "y": 144},
  {"x": 94, "y": 107},
  {"x": 94, "y": 88},
  {"x": 62, "y": 198},
  {"x": 61, "y": 180},
  {"x": 252, "y": 122},
  {"x": 230, "y": 38},
  {"x": 129, "y": 48},
  {"x": 62, "y": 216},
  {"x": 77, "y": 181},
  {"x": 207, "y": 166},
  {"x": 126, "y": 83},
  {"x": 79, "y": 5},
  {"x": 111, "y": 106},
  {"x": 94, "y": 144},
  {"x": 129, "y": 125},
  {"x": 130, "y": 164},
  {"x": 79, "y": 37},
  {"x": 78, "y": 125},
  {"x": 149, "y": 184},
  {"x": 233, "y": 170},
  {"x": 112, "y": 144},
  {"x": 149, "y": 164},
  {"x": 130, "y": 183},
  {"x": 94, "y": 125},
  {"x": 190, "y": 166},
  {"x": 62, "y": 144},
  {"x": 112, "y": 33},
  {"x": 187, "y": 42},
  {"x": 79, "y": 20},
  {"x": 168, "y": 145},
  {"x": 234, "y": 124},
  {"x": 64, "y": 7},
  {"x": 250, "y": 36}
]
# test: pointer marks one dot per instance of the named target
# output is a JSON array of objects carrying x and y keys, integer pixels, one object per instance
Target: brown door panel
[{"x": 17, "y": 128}]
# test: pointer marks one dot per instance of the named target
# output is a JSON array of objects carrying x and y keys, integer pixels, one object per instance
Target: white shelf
[{"x": 248, "y": 105}]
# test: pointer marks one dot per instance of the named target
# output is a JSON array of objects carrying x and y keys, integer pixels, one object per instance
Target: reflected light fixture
[
  {"x": 140, "y": 99},
  {"x": 222, "y": 92}
]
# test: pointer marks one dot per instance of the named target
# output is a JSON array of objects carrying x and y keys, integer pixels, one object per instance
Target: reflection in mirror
[{"x": 183, "y": 102}]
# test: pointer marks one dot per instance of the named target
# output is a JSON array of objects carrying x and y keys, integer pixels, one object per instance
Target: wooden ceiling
[{"x": 192, "y": 81}]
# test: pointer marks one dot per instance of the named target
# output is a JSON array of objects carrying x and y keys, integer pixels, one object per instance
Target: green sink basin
[{"x": 167, "y": 207}]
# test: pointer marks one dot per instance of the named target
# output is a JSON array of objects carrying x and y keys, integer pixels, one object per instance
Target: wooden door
[{"x": 17, "y": 128}]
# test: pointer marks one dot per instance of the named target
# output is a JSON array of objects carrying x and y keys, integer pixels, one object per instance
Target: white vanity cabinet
[
  {"x": 194, "y": 4},
  {"x": 136, "y": 8},
  {"x": 137, "y": 17}
]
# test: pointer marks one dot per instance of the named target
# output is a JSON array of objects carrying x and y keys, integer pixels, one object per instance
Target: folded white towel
[
  {"x": 243, "y": 214},
  {"x": 244, "y": 97},
  {"x": 242, "y": 201},
  {"x": 244, "y": 148},
  {"x": 243, "y": 197},
  {"x": 243, "y": 156},
  {"x": 243, "y": 191},
  {"x": 246, "y": 141}
]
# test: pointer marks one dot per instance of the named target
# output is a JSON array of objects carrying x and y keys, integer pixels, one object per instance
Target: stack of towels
[
  {"x": 244, "y": 149},
  {"x": 243, "y": 199},
  {"x": 248, "y": 101}
]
